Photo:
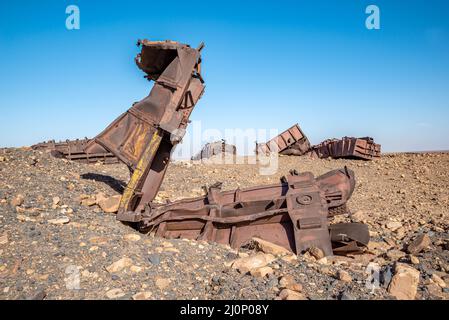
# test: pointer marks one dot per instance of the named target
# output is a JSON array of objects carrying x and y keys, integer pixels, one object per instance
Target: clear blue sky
[{"x": 266, "y": 65}]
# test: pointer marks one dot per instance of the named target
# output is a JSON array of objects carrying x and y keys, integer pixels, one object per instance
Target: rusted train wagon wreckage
[
  {"x": 74, "y": 150},
  {"x": 290, "y": 142},
  {"x": 347, "y": 147},
  {"x": 294, "y": 142},
  {"x": 293, "y": 213},
  {"x": 218, "y": 148}
]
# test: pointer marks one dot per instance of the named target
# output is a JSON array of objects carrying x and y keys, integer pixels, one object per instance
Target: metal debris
[
  {"x": 348, "y": 147},
  {"x": 294, "y": 142},
  {"x": 144, "y": 136},
  {"x": 74, "y": 150},
  {"x": 290, "y": 142},
  {"x": 293, "y": 214},
  {"x": 218, "y": 148}
]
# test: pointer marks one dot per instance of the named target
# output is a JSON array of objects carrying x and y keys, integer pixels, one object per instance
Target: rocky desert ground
[{"x": 58, "y": 241}]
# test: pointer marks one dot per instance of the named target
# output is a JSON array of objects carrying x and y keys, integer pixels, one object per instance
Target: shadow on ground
[{"x": 115, "y": 184}]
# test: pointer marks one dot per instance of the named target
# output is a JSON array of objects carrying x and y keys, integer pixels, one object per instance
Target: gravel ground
[{"x": 54, "y": 247}]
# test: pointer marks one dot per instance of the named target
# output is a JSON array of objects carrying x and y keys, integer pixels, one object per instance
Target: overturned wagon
[
  {"x": 292, "y": 141},
  {"x": 348, "y": 147},
  {"x": 293, "y": 214}
]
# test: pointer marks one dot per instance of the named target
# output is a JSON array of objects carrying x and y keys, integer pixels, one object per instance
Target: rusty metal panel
[
  {"x": 74, "y": 150},
  {"x": 218, "y": 148},
  {"x": 348, "y": 147},
  {"x": 291, "y": 141},
  {"x": 292, "y": 214},
  {"x": 143, "y": 137}
]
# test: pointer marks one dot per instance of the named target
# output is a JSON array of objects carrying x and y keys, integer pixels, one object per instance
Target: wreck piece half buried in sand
[
  {"x": 293, "y": 214},
  {"x": 218, "y": 148},
  {"x": 144, "y": 136},
  {"x": 348, "y": 147},
  {"x": 74, "y": 150}
]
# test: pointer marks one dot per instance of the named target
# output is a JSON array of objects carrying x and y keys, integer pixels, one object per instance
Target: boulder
[
  {"x": 259, "y": 260},
  {"x": 271, "y": 248},
  {"x": 404, "y": 283}
]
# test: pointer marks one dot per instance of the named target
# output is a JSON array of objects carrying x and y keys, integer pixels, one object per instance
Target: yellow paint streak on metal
[{"x": 142, "y": 165}]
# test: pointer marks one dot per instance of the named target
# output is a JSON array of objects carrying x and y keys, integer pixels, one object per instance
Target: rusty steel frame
[
  {"x": 74, "y": 150},
  {"x": 348, "y": 147},
  {"x": 293, "y": 214},
  {"x": 292, "y": 141},
  {"x": 144, "y": 136},
  {"x": 218, "y": 148}
]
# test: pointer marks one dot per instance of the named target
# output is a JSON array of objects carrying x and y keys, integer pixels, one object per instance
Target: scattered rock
[
  {"x": 288, "y": 282},
  {"x": 136, "y": 269},
  {"x": 88, "y": 201},
  {"x": 56, "y": 200},
  {"x": 244, "y": 265},
  {"x": 99, "y": 197},
  {"x": 393, "y": 225},
  {"x": 287, "y": 294},
  {"x": 110, "y": 205},
  {"x": 404, "y": 283},
  {"x": 132, "y": 237},
  {"x": 142, "y": 295},
  {"x": 4, "y": 239},
  {"x": 162, "y": 283},
  {"x": 436, "y": 279},
  {"x": 40, "y": 295},
  {"x": 315, "y": 252},
  {"x": 395, "y": 254},
  {"x": 154, "y": 258},
  {"x": 115, "y": 293},
  {"x": 290, "y": 258},
  {"x": 434, "y": 290},
  {"x": 63, "y": 220},
  {"x": 24, "y": 218},
  {"x": 261, "y": 272},
  {"x": 358, "y": 216},
  {"x": 119, "y": 265},
  {"x": 18, "y": 200},
  {"x": 414, "y": 260},
  {"x": 344, "y": 276},
  {"x": 346, "y": 296},
  {"x": 268, "y": 247},
  {"x": 421, "y": 243}
]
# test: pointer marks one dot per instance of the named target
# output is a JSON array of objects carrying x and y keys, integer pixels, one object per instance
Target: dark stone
[
  {"x": 216, "y": 279},
  {"x": 273, "y": 282},
  {"x": 231, "y": 256},
  {"x": 385, "y": 276},
  {"x": 346, "y": 296},
  {"x": 40, "y": 295},
  {"x": 115, "y": 277},
  {"x": 154, "y": 258}
]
